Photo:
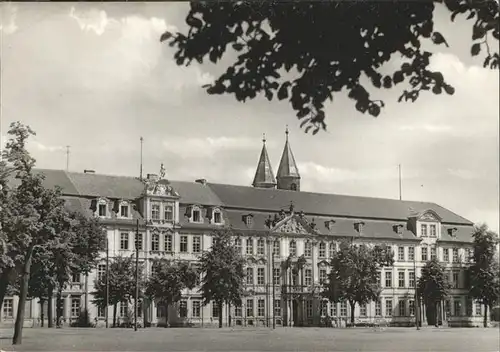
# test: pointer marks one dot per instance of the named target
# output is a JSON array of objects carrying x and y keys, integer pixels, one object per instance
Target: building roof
[
  {"x": 288, "y": 166},
  {"x": 264, "y": 174}
]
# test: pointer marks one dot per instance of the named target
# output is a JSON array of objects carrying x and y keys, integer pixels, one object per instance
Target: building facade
[{"x": 271, "y": 221}]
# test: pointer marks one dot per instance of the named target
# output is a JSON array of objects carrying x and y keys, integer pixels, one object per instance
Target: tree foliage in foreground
[
  {"x": 167, "y": 281},
  {"x": 433, "y": 287},
  {"x": 330, "y": 45},
  {"x": 121, "y": 284},
  {"x": 223, "y": 274},
  {"x": 484, "y": 276},
  {"x": 354, "y": 275}
]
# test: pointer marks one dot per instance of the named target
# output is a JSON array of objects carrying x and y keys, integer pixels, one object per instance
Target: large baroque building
[{"x": 272, "y": 220}]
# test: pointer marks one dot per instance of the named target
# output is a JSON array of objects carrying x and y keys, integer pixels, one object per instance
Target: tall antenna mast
[
  {"x": 400, "y": 196},
  {"x": 140, "y": 172},
  {"x": 67, "y": 158}
]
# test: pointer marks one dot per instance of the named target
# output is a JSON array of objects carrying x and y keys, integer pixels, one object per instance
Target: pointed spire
[
  {"x": 287, "y": 167},
  {"x": 264, "y": 176}
]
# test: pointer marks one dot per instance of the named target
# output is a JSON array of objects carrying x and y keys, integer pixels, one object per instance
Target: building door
[{"x": 295, "y": 312}]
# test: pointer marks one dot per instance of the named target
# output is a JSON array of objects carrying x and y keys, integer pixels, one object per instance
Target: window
[
  {"x": 308, "y": 249},
  {"x": 237, "y": 311},
  {"x": 103, "y": 209},
  {"x": 402, "y": 308},
  {"x": 277, "y": 275},
  {"x": 196, "y": 309},
  {"x": 237, "y": 244},
  {"x": 8, "y": 308},
  {"x": 250, "y": 246},
  {"x": 455, "y": 280},
  {"x": 277, "y": 308},
  {"x": 308, "y": 277},
  {"x": 388, "y": 279},
  {"x": 446, "y": 255},
  {"x": 215, "y": 310},
  {"x": 168, "y": 243},
  {"x": 343, "y": 309},
  {"x": 388, "y": 307},
  {"x": 378, "y": 308},
  {"x": 322, "y": 250},
  {"x": 75, "y": 307},
  {"x": 196, "y": 215},
  {"x": 196, "y": 244},
  {"x": 276, "y": 247},
  {"x": 293, "y": 187},
  {"x": 457, "y": 307},
  {"x": 261, "y": 308},
  {"x": 332, "y": 248},
  {"x": 424, "y": 254},
  {"x": 75, "y": 278},
  {"x": 309, "y": 308},
  {"x": 470, "y": 255},
  {"x": 184, "y": 244},
  {"x": 362, "y": 310},
  {"x": 101, "y": 271},
  {"x": 168, "y": 212},
  {"x": 293, "y": 248},
  {"x": 261, "y": 249},
  {"x": 401, "y": 254},
  {"x": 423, "y": 230},
  {"x": 432, "y": 230},
  {"x": 401, "y": 279},
  {"x": 217, "y": 217},
  {"x": 412, "y": 279},
  {"x": 155, "y": 242},
  {"x": 155, "y": 211},
  {"x": 183, "y": 307},
  {"x": 249, "y": 276},
  {"x": 124, "y": 241},
  {"x": 260, "y": 276},
  {"x": 455, "y": 255},
  {"x": 124, "y": 211},
  {"x": 322, "y": 275},
  {"x": 248, "y": 220},
  {"x": 138, "y": 241},
  {"x": 333, "y": 309},
  {"x": 478, "y": 308},
  {"x": 249, "y": 307},
  {"x": 411, "y": 306},
  {"x": 411, "y": 253},
  {"x": 324, "y": 308},
  {"x": 101, "y": 312},
  {"x": 433, "y": 253}
]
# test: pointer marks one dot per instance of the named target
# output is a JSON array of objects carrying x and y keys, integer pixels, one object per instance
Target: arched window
[{"x": 293, "y": 186}]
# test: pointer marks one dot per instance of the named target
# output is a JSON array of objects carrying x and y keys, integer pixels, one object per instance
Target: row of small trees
[{"x": 42, "y": 243}]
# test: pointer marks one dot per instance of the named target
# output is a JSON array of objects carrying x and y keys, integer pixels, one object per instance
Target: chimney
[
  {"x": 89, "y": 171},
  {"x": 201, "y": 181},
  {"x": 152, "y": 177}
]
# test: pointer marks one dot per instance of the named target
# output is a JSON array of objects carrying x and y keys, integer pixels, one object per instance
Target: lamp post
[{"x": 136, "y": 274}]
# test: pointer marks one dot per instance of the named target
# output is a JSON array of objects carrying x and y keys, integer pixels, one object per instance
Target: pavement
[{"x": 256, "y": 339}]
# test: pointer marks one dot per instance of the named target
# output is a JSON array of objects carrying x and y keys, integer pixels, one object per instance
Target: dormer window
[
  {"x": 329, "y": 224},
  {"x": 452, "y": 231},
  {"x": 398, "y": 228},
  {"x": 196, "y": 215},
  {"x": 217, "y": 217},
  {"x": 359, "y": 226},
  {"x": 248, "y": 219},
  {"x": 124, "y": 210},
  {"x": 102, "y": 208},
  {"x": 423, "y": 230},
  {"x": 432, "y": 230}
]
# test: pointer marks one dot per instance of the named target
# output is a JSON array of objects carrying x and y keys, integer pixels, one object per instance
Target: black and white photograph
[{"x": 232, "y": 176}]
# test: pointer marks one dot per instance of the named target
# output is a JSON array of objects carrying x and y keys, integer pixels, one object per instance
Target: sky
[{"x": 95, "y": 77}]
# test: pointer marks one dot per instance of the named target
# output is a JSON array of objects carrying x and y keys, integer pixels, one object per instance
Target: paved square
[{"x": 283, "y": 339}]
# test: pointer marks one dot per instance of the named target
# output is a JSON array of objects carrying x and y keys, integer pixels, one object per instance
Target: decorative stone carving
[
  {"x": 428, "y": 216},
  {"x": 292, "y": 226}
]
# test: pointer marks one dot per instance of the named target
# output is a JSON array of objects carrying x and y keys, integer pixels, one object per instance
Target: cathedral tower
[
  {"x": 288, "y": 176},
  {"x": 264, "y": 176}
]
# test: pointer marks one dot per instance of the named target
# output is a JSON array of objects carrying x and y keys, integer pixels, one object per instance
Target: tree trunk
[
  {"x": 42, "y": 315},
  {"x": 229, "y": 316},
  {"x": 485, "y": 320},
  {"x": 23, "y": 292},
  {"x": 166, "y": 315},
  {"x": 220, "y": 314},
  {"x": 436, "y": 310},
  {"x": 50, "y": 307},
  {"x": 353, "y": 306},
  {"x": 4, "y": 284},
  {"x": 115, "y": 306},
  {"x": 59, "y": 307}
]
